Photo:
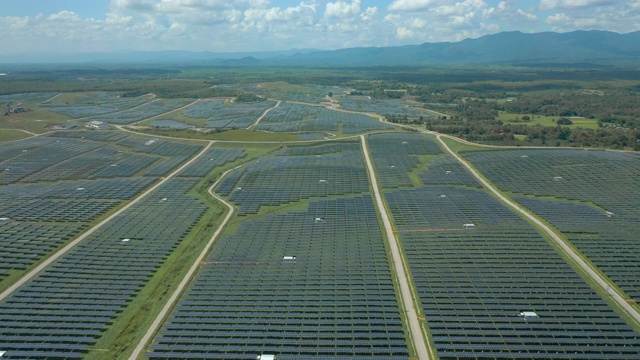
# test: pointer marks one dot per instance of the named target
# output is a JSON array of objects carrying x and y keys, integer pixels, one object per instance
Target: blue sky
[{"x": 77, "y": 26}]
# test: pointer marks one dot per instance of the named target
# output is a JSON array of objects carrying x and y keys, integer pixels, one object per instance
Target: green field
[
  {"x": 11, "y": 135},
  {"x": 512, "y": 118}
]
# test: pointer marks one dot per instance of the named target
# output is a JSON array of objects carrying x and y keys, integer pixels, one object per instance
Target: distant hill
[
  {"x": 509, "y": 48},
  {"x": 584, "y": 48}
]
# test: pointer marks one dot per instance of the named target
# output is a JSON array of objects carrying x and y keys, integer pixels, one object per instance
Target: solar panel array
[
  {"x": 608, "y": 240},
  {"x": 395, "y": 155},
  {"x": 608, "y": 181},
  {"x": 497, "y": 289},
  {"x": 142, "y": 112},
  {"x": 92, "y": 104},
  {"x": 26, "y": 98},
  {"x": 295, "y": 117},
  {"x": 63, "y": 310},
  {"x": 233, "y": 115},
  {"x": 446, "y": 170},
  {"x": 41, "y": 210},
  {"x": 213, "y": 158},
  {"x": 311, "y": 93},
  {"x": 23, "y": 158},
  {"x": 286, "y": 177},
  {"x": 384, "y": 106},
  {"x": 312, "y": 284},
  {"x": 85, "y": 155}
]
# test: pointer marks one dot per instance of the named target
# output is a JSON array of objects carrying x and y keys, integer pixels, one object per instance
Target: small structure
[
  {"x": 318, "y": 219},
  {"x": 126, "y": 240},
  {"x": 448, "y": 172},
  {"x": 98, "y": 125},
  {"x": 150, "y": 142},
  {"x": 4, "y": 220},
  {"x": 557, "y": 178},
  {"x": 442, "y": 196},
  {"x": 266, "y": 357},
  {"x": 288, "y": 258},
  {"x": 2, "y": 352},
  {"x": 609, "y": 214},
  {"x": 80, "y": 189},
  {"x": 468, "y": 226},
  {"x": 528, "y": 314},
  {"x": 323, "y": 181}
]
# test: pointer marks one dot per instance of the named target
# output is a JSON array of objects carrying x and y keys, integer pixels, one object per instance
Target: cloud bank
[{"x": 258, "y": 25}]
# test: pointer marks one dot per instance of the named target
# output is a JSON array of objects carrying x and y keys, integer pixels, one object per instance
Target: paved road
[
  {"x": 263, "y": 115},
  {"x": 31, "y": 274},
  {"x": 21, "y": 130},
  {"x": 187, "y": 278},
  {"x": 606, "y": 286},
  {"x": 398, "y": 265}
]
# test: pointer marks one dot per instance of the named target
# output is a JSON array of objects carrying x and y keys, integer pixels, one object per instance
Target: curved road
[
  {"x": 604, "y": 284},
  {"x": 263, "y": 115},
  {"x": 35, "y": 271},
  {"x": 187, "y": 278}
]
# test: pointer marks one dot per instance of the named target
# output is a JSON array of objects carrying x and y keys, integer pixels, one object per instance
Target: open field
[
  {"x": 11, "y": 135},
  {"x": 512, "y": 118}
]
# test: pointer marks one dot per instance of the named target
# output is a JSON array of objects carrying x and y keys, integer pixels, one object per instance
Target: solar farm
[
  {"x": 489, "y": 284},
  {"x": 383, "y": 107},
  {"x": 216, "y": 113},
  {"x": 119, "y": 244},
  {"x": 295, "y": 117},
  {"x": 590, "y": 196}
]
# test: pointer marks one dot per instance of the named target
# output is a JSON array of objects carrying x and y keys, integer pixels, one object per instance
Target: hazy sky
[{"x": 75, "y": 26}]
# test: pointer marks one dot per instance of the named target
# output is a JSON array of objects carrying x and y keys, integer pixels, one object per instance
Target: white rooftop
[
  {"x": 266, "y": 357},
  {"x": 527, "y": 314}
]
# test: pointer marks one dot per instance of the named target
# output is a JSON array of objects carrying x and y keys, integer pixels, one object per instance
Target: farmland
[{"x": 99, "y": 228}]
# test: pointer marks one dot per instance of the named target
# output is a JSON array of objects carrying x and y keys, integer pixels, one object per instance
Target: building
[{"x": 99, "y": 125}]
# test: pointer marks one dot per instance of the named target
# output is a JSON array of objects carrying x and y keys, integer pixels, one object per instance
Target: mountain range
[{"x": 506, "y": 48}]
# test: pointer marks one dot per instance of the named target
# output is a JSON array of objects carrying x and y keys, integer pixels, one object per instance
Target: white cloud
[
  {"x": 413, "y": 5},
  {"x": 369, "y": 14},
  {"x": 246, "y": 25},
  {"x": 136, "y": 5},
  {"x": 569, "y": 4},
  {"x": 342, "y": 9},
  {"x": 404, "y": 33}
]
